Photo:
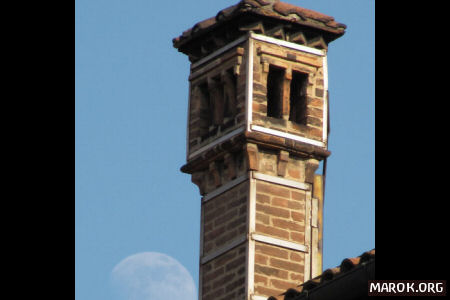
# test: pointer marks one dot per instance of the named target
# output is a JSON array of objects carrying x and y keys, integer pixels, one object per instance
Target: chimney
[{"x": 257, "y": 130}]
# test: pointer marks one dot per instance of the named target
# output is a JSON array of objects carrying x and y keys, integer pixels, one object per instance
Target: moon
[{"x": 152, "y": 276}]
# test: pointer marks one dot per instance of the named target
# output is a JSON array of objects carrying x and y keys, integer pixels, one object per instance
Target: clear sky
[{"x": 131, "y": 109}]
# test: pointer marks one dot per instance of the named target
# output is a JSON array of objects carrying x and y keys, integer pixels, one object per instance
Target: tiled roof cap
[{"x": 268, "y": 8}]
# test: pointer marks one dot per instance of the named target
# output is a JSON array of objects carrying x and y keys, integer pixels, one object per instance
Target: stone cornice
[{"x": 263, "y": 140}]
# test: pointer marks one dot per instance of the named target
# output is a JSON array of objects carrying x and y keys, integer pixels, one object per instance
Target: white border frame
[
  {"x": 287, "y": 135},
  {"x": 249, "y": 84},
  {"x": 249, "y": 91},
  {"x": 325, "y": 101},
  {"x": 233, "y": 244},
  {"x": 278, "y": 242},
  {"x": 250, "y": 286},
  {"x": 282, "y": 181}
]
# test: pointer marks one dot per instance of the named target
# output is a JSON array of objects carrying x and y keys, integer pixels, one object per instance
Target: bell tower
[{"x": 257, "y": 130}]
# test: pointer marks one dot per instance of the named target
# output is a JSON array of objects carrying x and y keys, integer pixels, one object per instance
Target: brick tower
[{"x": 257, "y": 130}]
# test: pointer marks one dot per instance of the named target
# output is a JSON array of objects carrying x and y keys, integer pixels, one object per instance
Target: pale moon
[{"x": 152, "y": 276}]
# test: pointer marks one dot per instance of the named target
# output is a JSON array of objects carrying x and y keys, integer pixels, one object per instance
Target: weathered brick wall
[
  {"x": 207, "y": 83},
  {"x": 224, "y": 278},
  {"x": 277, "y": 269},
  {"x": 290, "y": 60},
  {"x": 280, "y": 213},
  {"x": 225, "y": 218},
  {"x": 293, "y": 168}
]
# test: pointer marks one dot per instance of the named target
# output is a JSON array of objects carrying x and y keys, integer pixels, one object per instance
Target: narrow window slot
[
  {"x": 297, "y": 97},
  {"x": 205, "y": 111},
  {"x": 229, "y": 96},
  {"x": 275, "y": 80}
]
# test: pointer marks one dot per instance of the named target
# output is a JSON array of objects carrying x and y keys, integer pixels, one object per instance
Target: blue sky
[{"x": 131, "y": 108}]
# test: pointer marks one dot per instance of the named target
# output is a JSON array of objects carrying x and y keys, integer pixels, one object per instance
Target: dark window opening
[
  {"x": 229, "y": 95},
  {"x": 297, "y": 97},
  {"x": 205, "y": 112},
  {"x": 216, "y": 100},
  {"x": 275, "y": 80}
]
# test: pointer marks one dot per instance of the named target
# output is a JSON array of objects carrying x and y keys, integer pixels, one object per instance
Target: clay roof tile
[
  {"x": 328, "y": 275},
  {"x": 287, "y": 9},
  {"x": 349, "y": 263},
  {"x": 273, "y": 9}
]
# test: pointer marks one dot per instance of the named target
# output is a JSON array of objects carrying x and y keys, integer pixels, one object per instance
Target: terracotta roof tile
[
  {"x": 349, "y": 263},
  {"x": 269, "y": 8},
  {"x": 329, "y": 275},
  {"x": 287, "y": 9}
]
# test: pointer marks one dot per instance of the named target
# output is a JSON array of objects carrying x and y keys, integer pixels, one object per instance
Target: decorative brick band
[{"x": 282, "y": 181}]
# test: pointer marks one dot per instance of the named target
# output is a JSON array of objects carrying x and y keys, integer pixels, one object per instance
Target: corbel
[
  {"x": 251, "y": 153},
  {"x": 276, "y": 32},
  {"x": 298, "y": 37},
  {"x": 311, "y": 167},
  {"x": 283, "y": 158},
  {"x": 198, "y": 179},
  {"x": 318, "y": 43},
  {"x": 256, "y": 27}
]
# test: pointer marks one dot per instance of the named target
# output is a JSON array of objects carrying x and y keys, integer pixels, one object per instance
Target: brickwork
[
  {"x": 224, "y": 221},
  {"x": 280, "y": 212},
  {"x": 217, "y": 98},
  {"x": 225, "y": 218},
  {"x": 256, "y": 235},
  {"x": 224, "y": 278},
  {"x": 288, "y": 166},
  {"x": 277, "y": 269},
  {"x": 290, "y": 60}
]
